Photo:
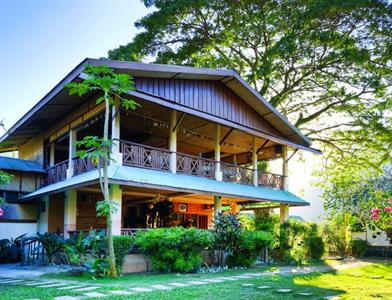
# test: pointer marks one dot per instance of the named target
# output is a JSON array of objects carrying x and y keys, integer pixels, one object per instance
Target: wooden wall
[
  {"x": 207, "y": 96},
  {"x": 33, "y": 149},
  {"x": 86, "y": 218},
  {"x": 56, "y": 213},
  {"x": 22, "y": 182}
]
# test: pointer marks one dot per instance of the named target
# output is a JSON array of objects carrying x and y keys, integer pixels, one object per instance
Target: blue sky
[{"x": 41, "y": 41}]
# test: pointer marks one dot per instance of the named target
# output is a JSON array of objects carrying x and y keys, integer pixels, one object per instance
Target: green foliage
[
  {"x": 10, "y": 250},
  {"x": 298, "y": 241},
  {"x": 315, "y": 247},
  {"x": 249, "y": 247},
  {"x": 267, "y": 222},
  {"x": 336, "y": 233},
  {"x": 5, "y": 178},
  {"x": 174, "y": 249},
  {"x": 359, "y": 247},
  {"x": 122, "y": 246},
  {"x": 101, "y": 267},
  {"x": 53, "y": 245}
]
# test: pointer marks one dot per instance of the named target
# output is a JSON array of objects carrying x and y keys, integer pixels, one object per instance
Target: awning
[
  {"x": 15, "y": 164},
  {"x": 138, "y": 177}
]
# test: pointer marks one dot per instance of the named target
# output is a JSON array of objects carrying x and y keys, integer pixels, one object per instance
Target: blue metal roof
[
  {"x": 15, "y": 164},
  {"x": 140, "y": 177}
]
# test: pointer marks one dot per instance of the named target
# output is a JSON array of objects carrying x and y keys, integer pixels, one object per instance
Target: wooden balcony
[
  {"x": 57, "y": 173},
  {"x": 143, "y": 156}
]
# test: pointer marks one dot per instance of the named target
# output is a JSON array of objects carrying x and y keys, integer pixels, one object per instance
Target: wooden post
[
  {"x": 285, "y": 168},
  {"x": 284, "y": 208},
  {"x": 70, "y": 207},
  {"x": 173, "y": 142},
  {"x": 42, "y": 225},
  {"x": 218, "y": 172},
  {"x": 115, "y": 195},
  {"x": 217, "y": 206},
  {"x": 116, "y": 153},
  {"x": 71, "y": 152},
  {"x": 51, "y": 154},
  {"x": 254, "y": 162},
  {"x": 284, "y": 212}
]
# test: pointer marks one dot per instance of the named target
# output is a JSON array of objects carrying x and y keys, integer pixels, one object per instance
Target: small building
[
  {"x": 195, "y": 144},
  {"x": 19, "y": 218}
]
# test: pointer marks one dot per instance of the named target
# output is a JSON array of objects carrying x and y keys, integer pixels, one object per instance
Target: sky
[{"x": 41, "y": 41}]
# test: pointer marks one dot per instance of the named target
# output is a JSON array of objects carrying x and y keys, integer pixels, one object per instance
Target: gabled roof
[
  {"x": 133, "y": 176},
  {"x": 57, "y": 103},
  {"x": 14, "y": 164}
]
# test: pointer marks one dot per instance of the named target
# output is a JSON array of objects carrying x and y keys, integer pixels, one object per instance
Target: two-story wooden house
[{"x": 196, "y": 141}]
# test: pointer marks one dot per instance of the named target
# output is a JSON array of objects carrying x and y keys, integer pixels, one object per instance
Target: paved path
[{"x": 95, "y": 290}]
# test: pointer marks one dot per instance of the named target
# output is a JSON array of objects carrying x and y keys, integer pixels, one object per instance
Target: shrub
[
  {"x": 122, "y": 245},
  {"x": 315, "y": 247},
  {"x": 10, "y": 250},
  {"x": 227, "y": 233},
  {"x": 101, "y": 267},
  {"x": 250, "y": 245},
  {"x": 174, "y": 249},
  {"x": 267, "y": 222},
  {"x": 53, "y": 245},
  {"x": 359, "y": 247}
]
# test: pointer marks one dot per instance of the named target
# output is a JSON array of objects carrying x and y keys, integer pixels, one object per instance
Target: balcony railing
[
  {"x": 193, "y": 165},
  {"x": 238, "y": 174},
  {"x": 57, "y": 173},
  {"x": 85, "y": 164},
  {"x": 270, "y": 180},
  {"x": 148, "y": 157}
]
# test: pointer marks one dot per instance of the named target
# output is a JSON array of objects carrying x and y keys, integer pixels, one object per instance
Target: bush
[
  {"x": 227, "y": 234},
  {"x": 122, "y": 245},
  {"x": 359, "y": 247},
  {"x": 53, "y": 245},
  {"x": 250, "y": 245},
  {"x": 315, "y": 247},
  {"x": 174, "y": 249},
  {"x": 10, "y": 250}
]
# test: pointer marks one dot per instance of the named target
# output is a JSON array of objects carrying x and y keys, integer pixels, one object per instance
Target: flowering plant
[{"x": 381, "y": 216}]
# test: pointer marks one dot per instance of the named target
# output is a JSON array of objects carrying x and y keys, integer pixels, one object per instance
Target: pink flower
[
  {"x": 375, "y": 216},
  {"x": 375, "y": 211},
  {"x": 388, "y": 208},
  {"x": 1, "y": 212}
]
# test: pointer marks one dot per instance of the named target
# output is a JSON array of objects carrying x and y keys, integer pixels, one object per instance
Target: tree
[
  {"x": 324, "y": 64},
  {"x": 112, "y": 87}
]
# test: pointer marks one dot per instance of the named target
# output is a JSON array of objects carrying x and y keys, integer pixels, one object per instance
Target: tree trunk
[{"x": 112, "y": 261}]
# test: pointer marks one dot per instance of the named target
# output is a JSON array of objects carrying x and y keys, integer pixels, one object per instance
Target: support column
[
  {"x": 217, "y": 206},
  {"x": 284, "y": 208},
  {"x": 173, "y": 142},
  {"x": 51, "y": 154},
  {"x": 218, "y": 172},
  {"x": 116, "y": 114},
  {"x": 71, "y": 152},
  {"x": 285, "y": 168},
  {"x": 254, "y": 162},
  {"x": 70, "y": 211},
  {"x": 115, "y": 195},
  {"x": 284, "y": 212},
  {"x": 43, "y": 215}
]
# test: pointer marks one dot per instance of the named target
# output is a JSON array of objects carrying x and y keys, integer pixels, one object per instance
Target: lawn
[{"x": 355, "y": 283}]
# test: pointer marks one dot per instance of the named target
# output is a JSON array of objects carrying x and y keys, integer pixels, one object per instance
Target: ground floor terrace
[{"x": 138, "y": 208}]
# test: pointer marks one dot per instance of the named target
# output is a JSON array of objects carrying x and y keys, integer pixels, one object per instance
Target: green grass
[{"x": 348, "y": 284}]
